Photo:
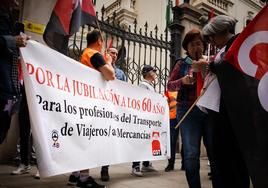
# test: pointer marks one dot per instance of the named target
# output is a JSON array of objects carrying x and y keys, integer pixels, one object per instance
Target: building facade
[
  {"x": 137, "y": 13},
  {"x": 128, "y": 10}
]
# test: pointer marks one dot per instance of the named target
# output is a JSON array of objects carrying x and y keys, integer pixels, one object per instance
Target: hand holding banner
[{"x": 81, "y": 121}]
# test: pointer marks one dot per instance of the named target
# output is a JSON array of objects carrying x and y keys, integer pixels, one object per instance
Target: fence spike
[
  {"x": 113, "y": 18},
  {"x": 156, "y": 31},
  {"x": 135, "y": 25},
  {"x": 166, "y": 33},
  {"x": 146, "y": 28},
  {"x": 102, "y": 12}
]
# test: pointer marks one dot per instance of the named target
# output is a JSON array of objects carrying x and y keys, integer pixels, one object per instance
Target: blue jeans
[
  {"x": 173, "y": 140},
  {"x": 192, "y": 129}
]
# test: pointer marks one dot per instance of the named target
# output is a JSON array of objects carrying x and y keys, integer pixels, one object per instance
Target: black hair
[
  {"x": 93, "y": 37},
  {"x": 191, "y": 35},
  {"x": 232, "y": 30}
]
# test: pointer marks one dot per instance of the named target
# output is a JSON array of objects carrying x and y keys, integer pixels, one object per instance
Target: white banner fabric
[{"x": 81, "y": 121}]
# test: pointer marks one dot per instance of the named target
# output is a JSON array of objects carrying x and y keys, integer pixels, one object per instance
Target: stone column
[{"x": 176, "y": 30}]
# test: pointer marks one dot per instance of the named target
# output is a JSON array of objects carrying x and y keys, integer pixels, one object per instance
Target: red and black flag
[
  {"x": 244, "y": 86},
  {"x": 65, "y": 20}
]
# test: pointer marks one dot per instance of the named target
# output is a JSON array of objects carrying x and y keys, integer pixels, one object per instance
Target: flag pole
[
  {"x": 189, "y": 110},
  {"x": 98, "y": 26}
]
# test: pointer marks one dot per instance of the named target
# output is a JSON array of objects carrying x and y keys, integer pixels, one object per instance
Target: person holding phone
[{"x": 189, "y": 84}]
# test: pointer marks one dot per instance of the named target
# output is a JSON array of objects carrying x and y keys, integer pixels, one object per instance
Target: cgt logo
[
  {"x": 156, "y": 148},
  {"x": 259, "y": 70},
  {"x": 55, "y": 137}
]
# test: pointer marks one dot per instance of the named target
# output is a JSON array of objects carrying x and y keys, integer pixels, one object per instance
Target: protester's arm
[
  {"x": 176, "y": 81},
  {"x": 200, "y": 65},
  {"x": 106, "y": 69},
  {"x": 9, "y": 42}
]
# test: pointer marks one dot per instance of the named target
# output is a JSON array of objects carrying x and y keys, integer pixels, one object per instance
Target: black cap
[{"x": 147, "y": 68}]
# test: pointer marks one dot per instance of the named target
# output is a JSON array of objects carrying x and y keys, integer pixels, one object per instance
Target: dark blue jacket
[{"x": 7, "y": 49}]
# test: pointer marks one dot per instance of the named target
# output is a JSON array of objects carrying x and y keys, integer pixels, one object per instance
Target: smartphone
[{"x": 188, "y": 60}]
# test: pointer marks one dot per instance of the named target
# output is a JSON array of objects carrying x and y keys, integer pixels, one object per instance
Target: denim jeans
[
  {"x": 173, "y": 140},
  {"x": 192, "y": 129}
]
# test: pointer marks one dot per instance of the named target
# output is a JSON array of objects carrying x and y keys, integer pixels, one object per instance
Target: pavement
[{"x": 120, "y": 177}]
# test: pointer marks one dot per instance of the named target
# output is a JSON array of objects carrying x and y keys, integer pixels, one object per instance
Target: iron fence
[{"x": 139, "y": 47}]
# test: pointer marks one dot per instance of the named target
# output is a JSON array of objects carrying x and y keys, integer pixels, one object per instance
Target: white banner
[
  {"x": 211, "y": 98},
  {"x": 81, "y": 121}
]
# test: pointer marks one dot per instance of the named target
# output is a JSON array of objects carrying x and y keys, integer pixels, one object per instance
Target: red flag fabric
[
  {"x": 65, "y": 20},
  {"x": 244, "y": 85},
  {"x": 199, "y": 83},
  {"x": 249, "y": 54},
  {"x": 212, "y": 13},
  {"x": 249, "y": 51},
  {"x": 177, "y": 3},
  {"x": 109, "y": 43}
]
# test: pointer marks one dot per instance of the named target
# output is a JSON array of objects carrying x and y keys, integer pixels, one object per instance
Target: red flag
[
  {"x": 212, "y": 13},
  {"x": 248, "y": 53},
  {"x": 109, "y": 43},
  {"x": 65, "y": 20},
  {"x": 244, "y": 86},
  {"x": 177, "y": 3}
]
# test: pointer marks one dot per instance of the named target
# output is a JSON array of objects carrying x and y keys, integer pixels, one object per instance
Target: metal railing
[{"x": 141, "y": 47}]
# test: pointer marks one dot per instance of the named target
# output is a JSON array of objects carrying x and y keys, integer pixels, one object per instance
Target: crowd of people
[{"x": 185, "y": 84}]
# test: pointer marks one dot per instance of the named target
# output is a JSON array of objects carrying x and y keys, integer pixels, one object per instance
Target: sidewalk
[{"x": 120, "y": 177}]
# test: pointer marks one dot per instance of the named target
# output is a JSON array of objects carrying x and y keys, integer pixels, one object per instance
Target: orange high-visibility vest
[
  {"x": 172, "y": 102},
  {"x": 87, "y": 54}
]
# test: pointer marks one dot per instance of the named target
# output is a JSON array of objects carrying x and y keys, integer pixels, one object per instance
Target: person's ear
[{"x": 100, "y": 42}]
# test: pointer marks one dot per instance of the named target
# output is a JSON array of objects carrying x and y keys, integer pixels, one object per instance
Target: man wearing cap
[{"x": 149, "y": 75}]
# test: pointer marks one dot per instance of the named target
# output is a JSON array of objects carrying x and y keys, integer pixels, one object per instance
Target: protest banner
[{"x": 79, "y": 120}]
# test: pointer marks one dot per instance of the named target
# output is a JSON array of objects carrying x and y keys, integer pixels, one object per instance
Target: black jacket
[{"x": 7, "y": 50}]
